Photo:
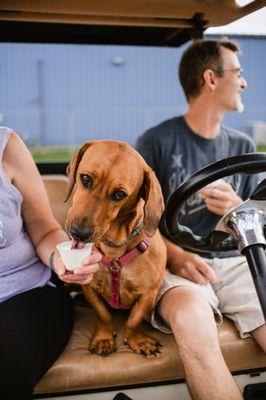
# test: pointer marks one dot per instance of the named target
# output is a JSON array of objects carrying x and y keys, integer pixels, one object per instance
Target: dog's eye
[
  {"x": 118, "y": 195},
  {"x": 86, "y": 180}
]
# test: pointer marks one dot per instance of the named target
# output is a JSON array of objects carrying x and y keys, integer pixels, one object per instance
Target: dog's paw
[
  {"x": 102, "y": 346},
  {"x": 144, "y": 344}
]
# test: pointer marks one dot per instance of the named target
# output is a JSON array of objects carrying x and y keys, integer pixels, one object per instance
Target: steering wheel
[{"x": 243, "y": 227}]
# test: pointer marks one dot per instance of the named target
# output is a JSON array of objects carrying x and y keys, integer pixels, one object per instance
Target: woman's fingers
[
  {"x": 77, "y": 279},
  {"x": 95, "y": 257},
  {"x": 86, "y": 269},
  {"x": 82, "y": 275}
]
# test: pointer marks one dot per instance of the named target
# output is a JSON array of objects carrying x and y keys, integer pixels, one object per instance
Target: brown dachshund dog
[{"x": 117, "y": 204}]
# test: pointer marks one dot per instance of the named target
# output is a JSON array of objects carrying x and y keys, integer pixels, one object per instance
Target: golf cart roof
[{"x": 139, "y": 22}]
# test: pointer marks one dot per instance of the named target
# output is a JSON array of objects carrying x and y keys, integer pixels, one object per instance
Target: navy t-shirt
[{"x": 175, "y": 152}]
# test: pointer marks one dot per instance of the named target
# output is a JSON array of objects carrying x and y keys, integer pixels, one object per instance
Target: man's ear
[
  {"x": 210, "y": 78},
  {"x": 73, "y": 166}
]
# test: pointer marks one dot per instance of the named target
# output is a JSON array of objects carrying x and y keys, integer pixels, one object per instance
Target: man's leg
[
  {"x": 259, "y": 335},
  {"x": 191, "y": 319},
  {"x": 238, "y": 299}
]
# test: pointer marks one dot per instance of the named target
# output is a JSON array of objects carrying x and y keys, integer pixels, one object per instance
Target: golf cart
[{"x": 77, "y": 374}]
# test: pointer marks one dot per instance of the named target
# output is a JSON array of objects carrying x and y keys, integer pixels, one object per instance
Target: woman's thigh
[{"x": 34, "y": 328}]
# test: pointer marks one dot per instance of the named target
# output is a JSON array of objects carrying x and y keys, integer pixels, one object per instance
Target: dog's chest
[{"x": 116, "y": 286}]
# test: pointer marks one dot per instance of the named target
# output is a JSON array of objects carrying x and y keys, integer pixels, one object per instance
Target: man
[{"x": 211, "y": 76}]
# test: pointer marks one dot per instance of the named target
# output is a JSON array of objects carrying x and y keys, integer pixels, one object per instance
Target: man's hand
[
  {"x": 193, "y": 267},
  {"x": 188, "y": 265},
  {"x": 219, "y": 197}
]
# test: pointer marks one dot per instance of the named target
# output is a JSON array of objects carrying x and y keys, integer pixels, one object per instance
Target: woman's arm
[{"x": 44, "y": 231}]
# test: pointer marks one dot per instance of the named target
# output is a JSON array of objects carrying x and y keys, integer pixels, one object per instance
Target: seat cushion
[
  {"x": 78, "y": 369},
  {"x": 57, "y": 188}
]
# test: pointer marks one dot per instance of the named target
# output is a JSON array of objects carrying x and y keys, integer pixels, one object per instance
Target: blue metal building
[{"x": 67, "y": 94}]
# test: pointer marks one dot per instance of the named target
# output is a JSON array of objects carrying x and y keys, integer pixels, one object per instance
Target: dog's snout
[{"x": 80, "y": 234}]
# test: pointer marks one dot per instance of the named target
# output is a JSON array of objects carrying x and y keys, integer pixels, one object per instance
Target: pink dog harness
[{"x": 115, "y": 267}]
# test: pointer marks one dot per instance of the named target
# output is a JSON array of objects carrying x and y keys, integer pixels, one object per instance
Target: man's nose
[{"x": 244, "y": 83}]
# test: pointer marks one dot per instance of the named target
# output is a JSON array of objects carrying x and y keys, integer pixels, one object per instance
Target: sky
[{"x": 253, "y": 24}]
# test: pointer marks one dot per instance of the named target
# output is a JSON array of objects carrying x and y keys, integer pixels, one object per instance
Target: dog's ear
[
  {"x": 154, "y": 204},
  {"x": 73, "y": 166}
]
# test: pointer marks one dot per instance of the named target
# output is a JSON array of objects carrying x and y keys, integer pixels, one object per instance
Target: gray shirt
[
  {"x": 175, "y": 152},
  {"x": 20, "y": 268}
]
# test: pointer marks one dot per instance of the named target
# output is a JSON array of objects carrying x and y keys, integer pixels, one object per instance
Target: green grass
[
  {"x": 52, "y": 154},
  {"x": 261, "y": 147},
  {"x": 64, "y": 154}
]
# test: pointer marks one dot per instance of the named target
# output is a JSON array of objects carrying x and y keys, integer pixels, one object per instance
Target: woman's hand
[{"x": 82, "y": 275}]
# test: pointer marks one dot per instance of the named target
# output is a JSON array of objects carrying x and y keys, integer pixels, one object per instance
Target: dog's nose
[{"x": 80, "y": 234}]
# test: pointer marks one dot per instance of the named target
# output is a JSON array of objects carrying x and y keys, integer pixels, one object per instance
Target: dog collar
[
  {"x": 134, "y": 233},
  {"x": 115, "y": 267}
]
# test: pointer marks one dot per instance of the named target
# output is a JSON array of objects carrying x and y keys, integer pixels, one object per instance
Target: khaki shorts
[{"x": 233, "y": 295}]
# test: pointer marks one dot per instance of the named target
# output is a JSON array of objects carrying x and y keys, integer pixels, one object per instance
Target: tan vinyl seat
[
  {"x": 56, "y": 187},
  {"x": 78, "y": 369}
]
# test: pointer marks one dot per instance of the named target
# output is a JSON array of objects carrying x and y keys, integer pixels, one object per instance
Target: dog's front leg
[
  {"x": 102, "y": 342},
  {"x": 133, "y": 336}
]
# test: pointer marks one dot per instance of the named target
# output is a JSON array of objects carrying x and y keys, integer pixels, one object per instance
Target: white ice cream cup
[
  {"x": 73, "y": 258},
  {"x": 215, "y": 183}
]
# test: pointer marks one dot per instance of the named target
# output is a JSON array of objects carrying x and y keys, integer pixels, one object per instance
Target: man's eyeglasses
[{"x": 239, "y": 71}]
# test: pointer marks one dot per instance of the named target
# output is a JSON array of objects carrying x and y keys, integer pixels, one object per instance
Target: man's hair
[{"x": 199, "y": 56}]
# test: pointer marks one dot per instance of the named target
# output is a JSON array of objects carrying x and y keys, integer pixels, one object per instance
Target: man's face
[{"x": 231, "y": 83}]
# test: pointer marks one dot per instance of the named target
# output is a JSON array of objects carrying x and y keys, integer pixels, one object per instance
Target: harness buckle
[
  {"x": 114, "y": 266},
  {"x": 142, "y": 246}
]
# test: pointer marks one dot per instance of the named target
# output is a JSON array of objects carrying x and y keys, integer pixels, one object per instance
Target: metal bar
[{"x": 256, "y": 259}]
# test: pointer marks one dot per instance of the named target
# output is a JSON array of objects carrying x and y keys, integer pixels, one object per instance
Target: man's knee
[{"x": 185, "y": 308}]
